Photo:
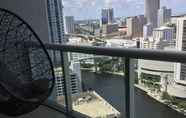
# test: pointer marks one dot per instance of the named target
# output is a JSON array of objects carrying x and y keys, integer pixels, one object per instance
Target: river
[{"x": 112, "y": 89}]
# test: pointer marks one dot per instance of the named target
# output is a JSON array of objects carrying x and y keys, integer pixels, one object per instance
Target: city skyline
[{"x": 85, "y": 9}]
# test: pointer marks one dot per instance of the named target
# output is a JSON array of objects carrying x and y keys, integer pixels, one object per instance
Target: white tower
[{"x": 181, "y": 46}]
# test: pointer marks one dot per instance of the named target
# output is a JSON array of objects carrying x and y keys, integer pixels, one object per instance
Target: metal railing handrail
[
  {"x": 128, "y": 53},
  {"x": 149, "y": 54}
]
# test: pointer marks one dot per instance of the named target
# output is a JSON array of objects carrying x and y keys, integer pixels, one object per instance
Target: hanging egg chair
[{"x": 26, "y": 73}]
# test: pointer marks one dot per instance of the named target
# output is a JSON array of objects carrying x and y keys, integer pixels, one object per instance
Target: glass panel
[
  {"x": 149, "y": 26},
  {"x": 158, "y": 91},
  {"x": 59, "y": 89},
  {"x": 97, "y": 85}
]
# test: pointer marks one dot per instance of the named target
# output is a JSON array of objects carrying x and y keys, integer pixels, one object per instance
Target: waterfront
[{"x": 111, "y": 88}]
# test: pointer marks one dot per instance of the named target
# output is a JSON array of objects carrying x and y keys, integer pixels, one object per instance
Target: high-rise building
[
  {"x": 151, "y": 11},
  {"x": 104, "y": 17},
  {"x": 56, "y": 35},
  {"x": 132, "y": 26},
  {"x": 55, "y": 18},
  {"x": 109, "y": 29},
  {"x": 75, "y": 80},
  {"x": 147, "y": 30},
  {"x": 181, "y": 46},
  {"x": 69, "y": 24},
  {"x": 56, "y": 26},
  {"x": 163, "y": 33},
  {"x": 107, "y": 16},
  {"x": 164, "y": 16},
  {"x": 142, "y": 21},
  {"x": 75, "y": 84},
  {"x": 163, "y": 37},
  {"x": 135, "y": 26}
]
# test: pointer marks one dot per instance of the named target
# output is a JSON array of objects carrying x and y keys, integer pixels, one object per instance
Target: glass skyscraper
[
  {"x": 56, "y": 33},
  {"x": 55, "y": 17},
  {"x": 56, "y": 25},
  {"x": 151, "y": 11},
  {"x": 107, "y": 16}
]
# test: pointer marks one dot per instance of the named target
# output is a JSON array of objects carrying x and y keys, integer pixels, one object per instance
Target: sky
[{"x": 91, "y": 9}]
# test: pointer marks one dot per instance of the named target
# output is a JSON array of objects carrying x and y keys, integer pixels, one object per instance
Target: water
[{"x": 111, "y": 88}]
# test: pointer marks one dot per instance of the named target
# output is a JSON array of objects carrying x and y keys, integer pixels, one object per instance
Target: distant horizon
[{"x": 86, "y": 9}]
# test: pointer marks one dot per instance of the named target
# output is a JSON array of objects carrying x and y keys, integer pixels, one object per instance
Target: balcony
[
  {"x": 125, "y": 97},
  {"x": 110, "y": 84},
  {"x": 42, "y": 112}
]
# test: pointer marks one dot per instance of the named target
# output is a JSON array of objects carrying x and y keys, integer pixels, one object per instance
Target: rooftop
[
  {"x": 163, "y": 28},
  {"x": 92, "y": 105}
]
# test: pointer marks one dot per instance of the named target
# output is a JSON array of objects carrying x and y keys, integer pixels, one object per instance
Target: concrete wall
[{"x": 34, "y": 12}]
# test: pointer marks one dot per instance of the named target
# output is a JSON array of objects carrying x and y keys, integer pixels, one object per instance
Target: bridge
[{"x": 86, "y": 37}]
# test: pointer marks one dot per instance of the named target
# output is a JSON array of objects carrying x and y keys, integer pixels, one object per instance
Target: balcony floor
[{"x": 41, "y": 112}]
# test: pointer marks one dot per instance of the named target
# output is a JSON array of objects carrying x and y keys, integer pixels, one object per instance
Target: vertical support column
[
  {"x": 129, "y": 87},
  {"x": 67, "y": 80},
  {"x": 96, "y": 65},
  {"x": 132, "y": 88}
]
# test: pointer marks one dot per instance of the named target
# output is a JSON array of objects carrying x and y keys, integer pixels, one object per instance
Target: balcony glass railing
[{"x": 113, "y": 82}]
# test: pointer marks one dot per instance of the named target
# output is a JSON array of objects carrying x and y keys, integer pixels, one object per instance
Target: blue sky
[{"x": 91, "y": 9}]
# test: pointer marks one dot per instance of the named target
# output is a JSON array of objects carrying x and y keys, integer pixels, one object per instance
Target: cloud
[
  {"x": 123, "y": 3},
  {"x": 103, "y": 3},
  {"x": 92, "y": 8},
  {"x": 79, "y": 3},
  {"x": 111, "y": 3}
]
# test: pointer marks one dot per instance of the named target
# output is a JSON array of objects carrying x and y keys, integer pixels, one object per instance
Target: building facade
[
  {"x": 56, "y": 36},
  {"x": 163, "y": 33},
  {"x": 142, "y": 21},
  {"x": 55, "y": 18},
  {"x": 147, "y": 30},
  {"x": 151, "y": 11},
  {"x": 75, "y": 80},
  {"x": 164, "y": 16},
  {"x": 156, "y": 72},
  {"x": 77, "y": 57},
  {"x": 69, "y": 25},
  {"x": 135, "y": 26},
  {"x": 107, "y": 16},
  {"x": 170, "y": 77},
  {"x": 109, "y": 29},
  {"x": 181, "y": 46},
  {"x": 56, "y": 26},
  {"x": 132, "y": 25},
  {"x": 75, "y": 85}
]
